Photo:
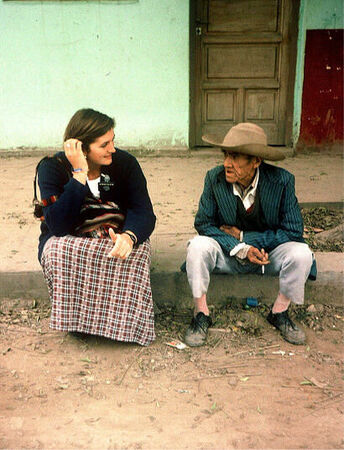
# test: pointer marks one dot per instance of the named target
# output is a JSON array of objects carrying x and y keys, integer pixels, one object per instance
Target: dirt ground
[{"x": 246, "y": 388}]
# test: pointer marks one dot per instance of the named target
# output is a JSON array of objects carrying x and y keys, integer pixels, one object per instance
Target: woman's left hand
[{"x": 123, "y": 245}]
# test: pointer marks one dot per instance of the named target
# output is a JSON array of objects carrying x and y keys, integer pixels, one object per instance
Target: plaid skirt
[{"x": 94, "y": 294}]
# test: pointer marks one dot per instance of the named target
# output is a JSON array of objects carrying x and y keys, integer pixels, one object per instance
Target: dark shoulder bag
[{"x": 37, "y": 204}]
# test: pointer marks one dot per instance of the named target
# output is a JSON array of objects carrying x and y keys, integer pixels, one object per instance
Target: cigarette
[{"x": 263, "y": 270}]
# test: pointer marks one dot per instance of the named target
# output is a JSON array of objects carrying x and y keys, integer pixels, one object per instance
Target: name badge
[{"x": 105, "y": 183}]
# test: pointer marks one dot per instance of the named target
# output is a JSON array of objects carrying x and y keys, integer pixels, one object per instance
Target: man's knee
[
  {"x": 202, "y": 245},
  {"x": 300, "y": 255}
]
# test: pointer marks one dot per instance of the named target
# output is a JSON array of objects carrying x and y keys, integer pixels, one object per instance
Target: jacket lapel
[
  {"x": 226, "y": 201},
  {"x": 270, "y": 197}
]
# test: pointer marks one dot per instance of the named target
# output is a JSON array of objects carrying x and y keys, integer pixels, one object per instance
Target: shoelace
[
  {"x": 198, "y": 323},
  {"x": 288, "y": 321}
]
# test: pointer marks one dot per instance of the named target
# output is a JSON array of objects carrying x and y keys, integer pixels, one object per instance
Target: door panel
[
  {"x": 242, "y": 66},
  {"x": 220, "y": 105},
  {"x": 260, "y": 105},
  {"x": 227, "y": 16},
  {"x": 240, "y": 61}
]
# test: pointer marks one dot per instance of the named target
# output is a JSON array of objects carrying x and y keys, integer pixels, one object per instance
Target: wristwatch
[{"x": 132, "y": 237}]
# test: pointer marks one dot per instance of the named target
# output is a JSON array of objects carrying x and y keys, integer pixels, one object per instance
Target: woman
[{"x": 94, "y": 245}]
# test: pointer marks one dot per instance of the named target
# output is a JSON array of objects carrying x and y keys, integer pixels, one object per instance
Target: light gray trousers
[{"x": 292, "y": 261}]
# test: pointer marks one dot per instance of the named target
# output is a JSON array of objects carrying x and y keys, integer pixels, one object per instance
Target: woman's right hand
[
  {"x": 75, "y": 155},
  {"x": 123, "y": 245}
]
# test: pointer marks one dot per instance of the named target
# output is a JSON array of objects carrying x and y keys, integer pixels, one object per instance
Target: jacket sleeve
[
  {"x": 207, "y": 220},
  {"x": 290, "y": 226},
  {"x": 140, "y": 218},
  {"x": 61, "y": 216}
]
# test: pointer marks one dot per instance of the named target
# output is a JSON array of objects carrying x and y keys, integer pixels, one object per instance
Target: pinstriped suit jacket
[{"x": 218, "y": 206}]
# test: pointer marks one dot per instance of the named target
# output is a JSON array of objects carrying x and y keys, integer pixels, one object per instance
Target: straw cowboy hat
[{"x": 248, "y": 139}]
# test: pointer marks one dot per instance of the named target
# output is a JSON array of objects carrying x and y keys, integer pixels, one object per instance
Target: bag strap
[{"x": 35, "y": 199}]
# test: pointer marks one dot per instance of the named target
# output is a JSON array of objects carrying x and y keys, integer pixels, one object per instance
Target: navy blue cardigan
[{"x": 129, "y": 192}]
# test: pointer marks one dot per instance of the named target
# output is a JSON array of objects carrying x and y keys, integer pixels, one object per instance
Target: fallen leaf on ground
[
  {"x": 318, "y": 383},
  {"x": 306, "y": 383}
]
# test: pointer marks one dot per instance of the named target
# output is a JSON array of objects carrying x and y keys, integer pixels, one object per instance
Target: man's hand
[
  {"x": 123, "y": 245},
  {"x": 256, "y": 256},
  {"x": 233, "y": 231}
]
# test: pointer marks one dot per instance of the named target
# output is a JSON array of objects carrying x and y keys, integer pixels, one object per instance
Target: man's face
[{"x": 240, "y": 168}]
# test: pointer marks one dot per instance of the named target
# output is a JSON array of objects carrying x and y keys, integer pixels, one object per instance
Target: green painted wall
[
  {"x": 127, "y": 58},
  {"x": 314, "y": 14}
]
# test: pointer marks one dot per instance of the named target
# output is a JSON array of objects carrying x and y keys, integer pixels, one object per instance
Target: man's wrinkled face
[{"x": 240, "y": 168}]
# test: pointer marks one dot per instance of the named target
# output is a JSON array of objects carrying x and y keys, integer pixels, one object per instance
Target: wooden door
[{"x": 242, "y": 66}]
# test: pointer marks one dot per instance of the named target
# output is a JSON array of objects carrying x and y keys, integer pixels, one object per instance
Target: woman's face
[{"x": 100, "y": 151}]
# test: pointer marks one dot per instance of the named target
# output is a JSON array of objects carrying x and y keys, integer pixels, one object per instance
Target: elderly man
[{"x": 248, "y": 221}]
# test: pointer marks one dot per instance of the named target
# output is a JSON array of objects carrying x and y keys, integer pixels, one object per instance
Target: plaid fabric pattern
[{"x": 94, "y": 294}]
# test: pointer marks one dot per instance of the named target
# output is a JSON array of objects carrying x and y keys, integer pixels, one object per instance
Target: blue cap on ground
[{"x": 251, "y": 301}]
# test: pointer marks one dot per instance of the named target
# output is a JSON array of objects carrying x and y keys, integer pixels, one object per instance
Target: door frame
[{"x": 194, "y": 72}]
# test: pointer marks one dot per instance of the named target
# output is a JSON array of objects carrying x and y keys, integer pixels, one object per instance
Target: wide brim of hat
[{"x": 261, "y": 150}]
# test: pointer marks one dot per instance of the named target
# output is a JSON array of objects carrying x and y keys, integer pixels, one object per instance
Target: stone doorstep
[{"x": 172, "y": 287}]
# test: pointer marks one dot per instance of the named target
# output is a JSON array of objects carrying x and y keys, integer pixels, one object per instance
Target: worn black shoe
[
  {"x": 196, "y": 334},
  {"x": 289, "y": 331}
]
